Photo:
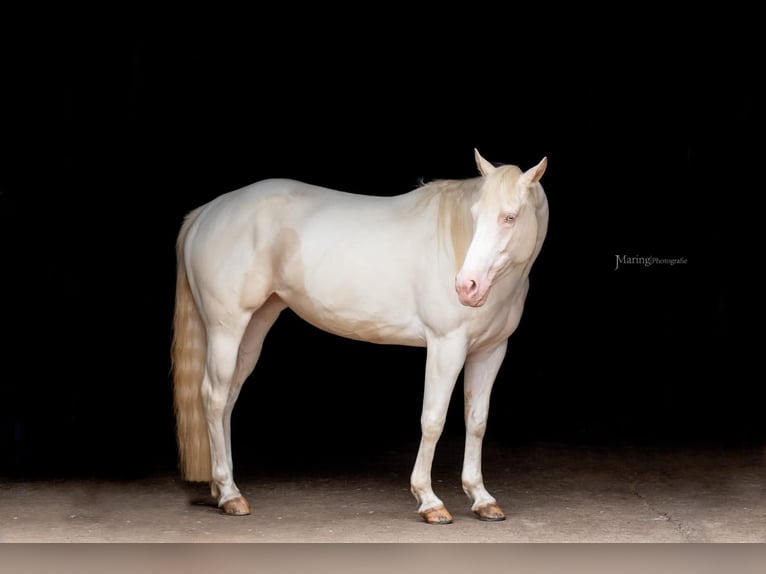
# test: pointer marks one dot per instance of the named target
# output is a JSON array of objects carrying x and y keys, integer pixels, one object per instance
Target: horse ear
[
  {"x": 485, "y": 168},
  {"x": 534, "y": 174}
]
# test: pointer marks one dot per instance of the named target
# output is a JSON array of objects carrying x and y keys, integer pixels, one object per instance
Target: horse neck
[{"x": 451, "y": 202}]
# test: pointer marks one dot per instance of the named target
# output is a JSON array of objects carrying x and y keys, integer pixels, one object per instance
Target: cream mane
[{"x": 455, "y": 197}]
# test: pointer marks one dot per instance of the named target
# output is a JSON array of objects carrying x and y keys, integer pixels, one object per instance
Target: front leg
[
  {"x": 480, "y": 372},
  {"x": 445, "y": 358}
]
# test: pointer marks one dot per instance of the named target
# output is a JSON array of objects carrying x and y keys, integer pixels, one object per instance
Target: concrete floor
[{"x": 551, "y": 493}]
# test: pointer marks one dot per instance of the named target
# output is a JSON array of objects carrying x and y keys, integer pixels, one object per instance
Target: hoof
[
  {"x": 236, "y": 507},
  {"x": 438, "y": 515},
  {"x": 489, "y": 513}
]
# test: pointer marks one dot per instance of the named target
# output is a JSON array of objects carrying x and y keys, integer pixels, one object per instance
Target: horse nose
[{"x": 466, "y": 288}]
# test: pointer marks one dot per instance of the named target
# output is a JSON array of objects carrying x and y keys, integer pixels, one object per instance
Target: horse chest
[
  {"x": 497, "y": 320},
  {"x": 494, "y": 328}
]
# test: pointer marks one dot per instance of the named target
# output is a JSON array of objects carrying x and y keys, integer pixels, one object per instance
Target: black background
[{"x": 112, "y": 132}]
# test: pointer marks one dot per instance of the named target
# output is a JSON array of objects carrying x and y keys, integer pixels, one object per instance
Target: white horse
[{"x": 444, "y": 266}]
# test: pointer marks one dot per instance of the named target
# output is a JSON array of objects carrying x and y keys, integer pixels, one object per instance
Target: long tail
[{"x": 188, "y": 355}]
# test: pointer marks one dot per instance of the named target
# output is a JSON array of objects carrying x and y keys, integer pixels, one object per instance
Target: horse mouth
[{"x": 474, "y": 301}]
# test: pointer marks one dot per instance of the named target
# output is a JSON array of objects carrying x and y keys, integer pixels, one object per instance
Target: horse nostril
[{"x": 466, "y": 287}]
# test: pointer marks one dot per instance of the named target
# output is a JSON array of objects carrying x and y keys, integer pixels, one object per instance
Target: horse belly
[
  {"x": 365, "y": 296},
  {"x": 362, "y": 322}
]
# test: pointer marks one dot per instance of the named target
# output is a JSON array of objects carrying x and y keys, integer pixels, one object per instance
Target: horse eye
[{"x": 509, "y": 218}]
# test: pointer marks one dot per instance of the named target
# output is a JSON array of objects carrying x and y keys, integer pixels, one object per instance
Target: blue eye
[{"x": 509, "y": 218}]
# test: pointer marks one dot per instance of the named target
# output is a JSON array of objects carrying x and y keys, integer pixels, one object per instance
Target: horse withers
[{"x": 444, "y": 266}]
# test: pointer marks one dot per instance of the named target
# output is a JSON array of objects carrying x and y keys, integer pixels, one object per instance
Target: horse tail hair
[{"x": 188, "y": 358}]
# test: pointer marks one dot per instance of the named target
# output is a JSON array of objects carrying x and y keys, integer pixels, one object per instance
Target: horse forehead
[{"x": 500, "y": 187}]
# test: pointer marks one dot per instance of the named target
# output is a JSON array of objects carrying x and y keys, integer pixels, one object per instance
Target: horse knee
[
  {"x": 432, "y": 427},
  {"x": 476, "y": 424},
  {"x": 477, "y": 430}
]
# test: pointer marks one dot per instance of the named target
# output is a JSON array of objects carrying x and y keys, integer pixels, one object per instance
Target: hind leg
[
  {"x": 249, "y": 353},
  {"x": 223, "y": 348}
]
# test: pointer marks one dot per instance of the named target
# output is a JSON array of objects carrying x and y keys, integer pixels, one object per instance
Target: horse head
[{"x": 505, "y": 227}]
